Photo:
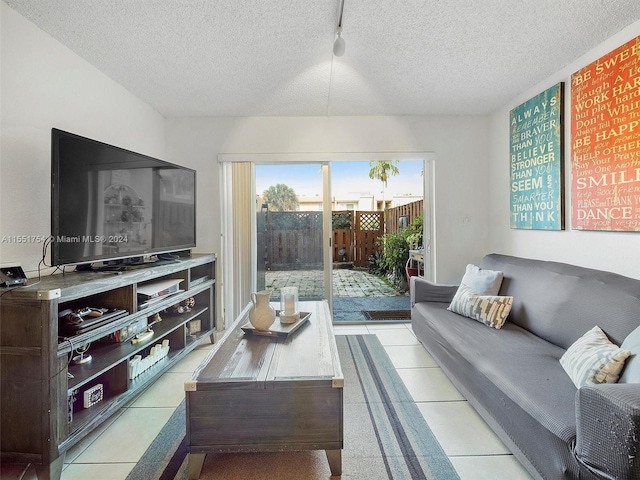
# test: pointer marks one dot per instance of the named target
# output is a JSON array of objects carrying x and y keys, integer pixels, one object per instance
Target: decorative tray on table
[{"x": 278, "y": 329}]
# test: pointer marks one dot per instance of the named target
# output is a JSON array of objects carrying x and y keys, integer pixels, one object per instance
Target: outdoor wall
[
  {"x": 614, "y": 251},
  {"x": 460, "y": 145},
  {"x": 45, "y": 85}
]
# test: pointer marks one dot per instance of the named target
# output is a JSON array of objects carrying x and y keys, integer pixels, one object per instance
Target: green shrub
[
  {"x": 376, "y": 263},
  {"x": 396, "y": 254},
  {"x": 395, "y": 248},
  {"x": 340, "y": 221}
]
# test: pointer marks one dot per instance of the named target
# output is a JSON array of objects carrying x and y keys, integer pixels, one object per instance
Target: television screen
[{"x": 109, "y": 203}]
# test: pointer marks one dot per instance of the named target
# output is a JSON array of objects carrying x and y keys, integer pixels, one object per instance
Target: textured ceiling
[{"x": 274, "y": 57}]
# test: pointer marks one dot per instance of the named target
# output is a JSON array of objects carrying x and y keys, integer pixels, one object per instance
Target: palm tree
[
  {"x": 381, "y": 170},
  {"x": 280, "y": 198}
]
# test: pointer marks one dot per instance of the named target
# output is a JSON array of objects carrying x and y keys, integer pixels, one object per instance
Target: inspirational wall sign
[
  {"x": 605, "y": 136},
  {"x": 536, "y": 159}
]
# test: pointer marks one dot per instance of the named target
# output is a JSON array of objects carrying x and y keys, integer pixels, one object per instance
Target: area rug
[{"x": 385, "y": 436}]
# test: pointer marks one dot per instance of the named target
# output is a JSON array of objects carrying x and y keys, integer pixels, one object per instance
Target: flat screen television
[{"x": 112, "y": 205}]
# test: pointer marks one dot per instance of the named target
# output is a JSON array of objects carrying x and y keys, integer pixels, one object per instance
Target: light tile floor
[{"x": 112, "y": 450}]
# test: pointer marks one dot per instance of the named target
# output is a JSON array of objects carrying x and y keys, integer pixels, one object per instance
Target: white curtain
[{"x": 237, "y": 237}]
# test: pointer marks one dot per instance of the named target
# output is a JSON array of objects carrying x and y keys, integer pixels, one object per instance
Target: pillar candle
[{"x": 289, "y": 304}]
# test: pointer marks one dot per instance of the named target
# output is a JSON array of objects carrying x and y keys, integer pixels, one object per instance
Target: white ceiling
[{"x": 274, "y": 57}]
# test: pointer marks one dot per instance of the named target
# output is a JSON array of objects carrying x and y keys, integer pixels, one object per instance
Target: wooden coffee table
[{"x": 268, "y": 394}]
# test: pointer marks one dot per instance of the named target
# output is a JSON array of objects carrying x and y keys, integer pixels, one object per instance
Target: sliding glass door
[
  {"x": 283, "y": 225},
  {"x": 291, "y": 240}
]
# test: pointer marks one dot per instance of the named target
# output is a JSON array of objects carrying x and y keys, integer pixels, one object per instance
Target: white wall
[
  {"x": 45, "y": 85},
  {"x": 461, "y": 174},
  {"x": 613, "y": 251}
]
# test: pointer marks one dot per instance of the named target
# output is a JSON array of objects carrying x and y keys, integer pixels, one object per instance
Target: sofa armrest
[
  {"x": 608, "y": 430},
  {"x": 425, "y": 291}
]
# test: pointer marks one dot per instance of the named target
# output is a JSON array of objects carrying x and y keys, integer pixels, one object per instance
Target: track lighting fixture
[{"x": 338, "y": 45}]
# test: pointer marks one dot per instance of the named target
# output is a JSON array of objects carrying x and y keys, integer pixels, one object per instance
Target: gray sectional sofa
[{"x": 513, "y": 377}]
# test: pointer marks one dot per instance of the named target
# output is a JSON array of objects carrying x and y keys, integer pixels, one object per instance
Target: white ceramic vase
[{"x": 262, "y": 315}]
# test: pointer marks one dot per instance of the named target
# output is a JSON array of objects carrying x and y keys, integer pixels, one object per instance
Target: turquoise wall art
[{"x": 536, "y": 162}]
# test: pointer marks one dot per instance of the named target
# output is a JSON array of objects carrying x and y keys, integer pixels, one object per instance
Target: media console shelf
[{"x": 49, "y": 402}]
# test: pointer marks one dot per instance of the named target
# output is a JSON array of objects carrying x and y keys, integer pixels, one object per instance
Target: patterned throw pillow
[
  {"x": 593, "y": 359},
  {"x": 491, "y": 310}
]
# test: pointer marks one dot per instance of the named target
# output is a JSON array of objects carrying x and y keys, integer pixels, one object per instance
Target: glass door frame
[{"x": 327, "y": 233}]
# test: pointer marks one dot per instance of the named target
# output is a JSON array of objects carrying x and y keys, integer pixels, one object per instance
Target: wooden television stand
[{"x": 48, "y": 402}]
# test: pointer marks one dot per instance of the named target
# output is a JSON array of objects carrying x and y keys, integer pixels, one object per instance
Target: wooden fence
[
  {"x": 358, "y": 239},
  {"x": 369, "y": 227},
  {"x": 293, "y": 240},
  {"x": 410, "y": 212}
]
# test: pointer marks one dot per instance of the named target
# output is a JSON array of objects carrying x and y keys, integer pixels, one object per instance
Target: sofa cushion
[
  {"x": 559, "y": 302},
  {"x": 510, "y": 367},
  {"x": 631, "y": 372},
  {"x": 482, "y": 280},
  {"x": 593, "y": 359},
  {"x": 488, "y": 309}
]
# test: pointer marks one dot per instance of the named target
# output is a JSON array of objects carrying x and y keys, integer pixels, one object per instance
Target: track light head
[{"x": 339, "y": 45}]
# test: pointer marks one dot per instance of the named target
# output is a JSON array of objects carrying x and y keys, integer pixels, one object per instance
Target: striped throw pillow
[
  {"x": 491, "y": 310},
  {"x": 593, "y": 359}
]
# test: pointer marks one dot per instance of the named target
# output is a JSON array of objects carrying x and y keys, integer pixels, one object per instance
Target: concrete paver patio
[
  {"x": 354, "y": 292},
  {"x": 346, "y": 283}
]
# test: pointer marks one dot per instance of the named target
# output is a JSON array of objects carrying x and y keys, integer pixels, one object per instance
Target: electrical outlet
[{"x": 464, "y": 220}]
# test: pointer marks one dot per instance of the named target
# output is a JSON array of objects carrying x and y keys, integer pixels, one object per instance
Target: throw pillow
[
  {"x": 491, "y": 310},
  {"x": 481, "y": 281},
  {"x": 593, "y": 359},
  {"x": 631, "y": 372}
]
